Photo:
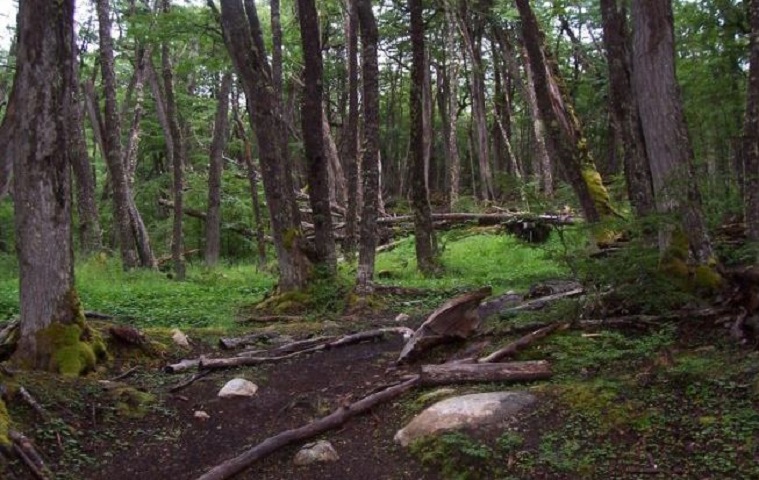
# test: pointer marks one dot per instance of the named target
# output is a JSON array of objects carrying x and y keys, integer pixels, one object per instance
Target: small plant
[{"x": 456, "y": 456}]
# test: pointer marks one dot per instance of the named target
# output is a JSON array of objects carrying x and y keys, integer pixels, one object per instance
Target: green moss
[
  {"x": 130, "y": 402},
  {"x": 5, "y": 424},
  {"x": 290, "y": 236},
  {"x": 70, "y": 354},
  {"x": 598, "y": 192},
  {"x": 705, "y": 277},
  {"x": 598, "y": 403}
]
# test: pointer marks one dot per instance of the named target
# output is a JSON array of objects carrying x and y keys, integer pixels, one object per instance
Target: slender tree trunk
[
  {"x": 338, "y": 194},
  {"x": 424, "y": 232},
  {"x": 452, "y": 101},
  {"x": 41, "y": 104},
  {"x": 667, "y": 143},
  {"x": 623, "y": 110},
  {"x": 112, "y": 136},
  {"x": 219, "y": 141},
  {"x": 751, "y": 131},
  {"x": 312, "y": 114},
  {"x": 179, "y": 157},
  {"x": 351, "y": 157},
  {"x": 370, "y": 70},
  {"x": 133, "y": 140},
  {"x": 90, "y": 240},
  {"x": 246, "y": 47}
]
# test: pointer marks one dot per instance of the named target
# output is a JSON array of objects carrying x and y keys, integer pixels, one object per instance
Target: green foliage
[{"x": 455, "y": 456}]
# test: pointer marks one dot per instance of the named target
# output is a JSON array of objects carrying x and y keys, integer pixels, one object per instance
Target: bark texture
[
  {"x": 751, "y": 130},
  {"x": 215, "y": 170},
  {"x": 350, "y": 142}
]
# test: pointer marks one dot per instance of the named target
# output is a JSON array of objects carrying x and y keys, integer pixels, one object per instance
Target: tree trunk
[
  {"x": 215, "y": 170},
  {"x": 350, "y": 134},
  {"x": 751, "y": 131},
  {"x": 90, "y": 240},
  {"x": 667, "y": 143},
  {"x": 112, "y": 140},
  {"x": 312, "y": 114},
  {"x": 623, "y": 110},
  {"x": 246, "y": 46},
  {"x": 338, "y": 194},
  {"x": 370, "y": 70},
  {"x": 179, "y": 157},
  {"x": 424, "y": 232},
  {"x": 452, "y": 102},
  {"x": 42, "y": 104}
]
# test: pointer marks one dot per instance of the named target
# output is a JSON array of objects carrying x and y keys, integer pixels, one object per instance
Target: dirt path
[{"x": 177, "y": 446}]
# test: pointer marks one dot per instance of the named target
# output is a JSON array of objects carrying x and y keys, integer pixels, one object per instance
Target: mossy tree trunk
[
  {"x": 42, "y": 106},
  {"x": 668, "y": 145}
]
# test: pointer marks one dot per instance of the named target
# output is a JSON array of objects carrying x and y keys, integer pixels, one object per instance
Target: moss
[
  {"x": 5, "y": 424},
  {"x": 289, "y": 238},
  {"x": 130, "y": 402},
  {"x": 69, "y": 353},
  {"x": 599, "y": 403},
  {"x": 598, "y": 192},
  {"x": 705, "y": 277}
]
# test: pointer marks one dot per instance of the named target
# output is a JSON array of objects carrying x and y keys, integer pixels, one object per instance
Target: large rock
[
  {"x": 465, "y": 412},
  {"x": 321, "y": 451},
  {"x": 238, "y": 387}
]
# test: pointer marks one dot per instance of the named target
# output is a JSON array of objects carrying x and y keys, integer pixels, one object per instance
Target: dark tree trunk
[
  {"x": 667, "y": 143},
  {"x": 246, "y": 47},
  {"x": 112, "y": 138},
  {"x": 751, "y": 131},
  {"x": 424, "y": 232},
  {"x": 370, "y": 173},
  {"x": 623, "y": 110},
  {"x": 350, "y": 142},
  {"x": 215, "y": 170},
  {"x": 313, "y": 138},
  {"x": 179, "y": 157},
  {"x": 89, "y": 222},
  {"x": 42, "y": 104}
]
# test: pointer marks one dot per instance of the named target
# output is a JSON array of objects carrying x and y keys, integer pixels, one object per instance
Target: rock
[
  {"x": 467, "y": 411},
  {"x": 201, "y": 415},
  {"x": 402, "y": 317},
  {"x": 180, "y": 338},
  {"x": 238, "y": 387},
  {"x": 321, "y": 452}
]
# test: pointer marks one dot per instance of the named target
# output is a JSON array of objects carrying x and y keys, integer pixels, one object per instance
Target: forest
[{"x": 389, "y": 239}]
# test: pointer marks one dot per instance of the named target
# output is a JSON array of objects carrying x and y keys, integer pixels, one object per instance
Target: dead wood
[
  {"x": 457, "y": 318},
  {"x": 337, "y": 418},
  {"x": 272, "y": 319},
  {"x": 127, "y": 335},
  {"x": 182, "y": 365},
  {"x": 514, "y": 347},
  {"x": 30, "y": 400},
  {"x": 218, "y": 363},
  {"x": 25, "y": 450},
  {"x": 484, "y": 218},
  {"x": 230, "y": 343},
  {"x": 488, "y": 372},
  {"x": 124, "y": 375},
  {"x": 294, "y": 346},
  {"x": 197, "y": 376},
  {"x": 499, "y": 303},
  {"x": 540, "y": 302}
]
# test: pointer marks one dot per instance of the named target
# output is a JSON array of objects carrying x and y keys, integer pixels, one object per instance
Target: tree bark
[
  {"x": 424, "y": 232},
  {"x": 215, "y": 170},
  {"x": 312, "y": 114},
  {"x": 751, "y": 131},
  {"x": 667, "y": 142},
  {"x": 338, "y": 194},
  {"x": 452, "y": 102},
  {"x": 245, "y": 43},
  {"x": 350, "y": 142},
  {"x": 112, "y": 140},
  {"x": 179, "y": 158},
  {"x": 370, "y": 70},
  {"x": 623, "y": 109},
  {"x": 41, "y": 105},
  {"x": 451, "y": 373}
]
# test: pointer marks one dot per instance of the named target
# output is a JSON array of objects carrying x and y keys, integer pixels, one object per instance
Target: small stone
[
  {"x": 317, "y": 452},
  {"x": 180, "y": 338},
  {"x": 201, "y": 415},
  {"x": 402, "y": 317},
  {"x": 238, "y": 387}
]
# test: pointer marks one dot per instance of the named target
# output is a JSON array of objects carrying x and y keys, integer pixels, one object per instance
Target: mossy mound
[
  {"x": 72, "y": 350},
  {"x": 130, "y": 402}
]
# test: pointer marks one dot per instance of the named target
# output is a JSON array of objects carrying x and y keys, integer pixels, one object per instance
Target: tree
[
  {"x": 244, "y": 40},
  {"x": 370, "y": 164},
  {"x": 668, "y": 145},
  {"x": 312, "y": 116},
  {"x": 424, "y": 232},
  {"x": 751, "y": 131},
  {"x": 52, "y": 323},
  {"x": 350, "y": 142},
  {"x": 220, "y": 130}
]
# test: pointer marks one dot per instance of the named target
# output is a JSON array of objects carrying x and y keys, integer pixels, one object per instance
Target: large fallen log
[
  {"x": 236, "y": 465},
  {"x": 457, "y": 318},
  {"x": 514, "y": 347},
  {"x": 484, "y": 218},
  {"x": 218, "y": 363},
  {"x": 488, "y": 372}
]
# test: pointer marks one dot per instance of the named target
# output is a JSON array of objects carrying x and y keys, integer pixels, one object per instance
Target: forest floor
[{"x": 676, "y": 398}]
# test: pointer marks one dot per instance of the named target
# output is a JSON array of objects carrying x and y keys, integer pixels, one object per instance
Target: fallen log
[
  {"x": 337, "y": 418},
  {"x": 25, "y": 450},
  {"x": 484, "y": 218},
  {"x": 230, "y": 343},
  {"x": 218, "y": 363},
  {"x": 197, "y": 376},
  {"x": 488, "y": 372},
  {"x": 32, "y": 402},
  {"x": 294, "y": 346},
  {"x": 182, "y": 365},
  {"x": 514, "y": 347},
  {"x": 541, "y": 301}
]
